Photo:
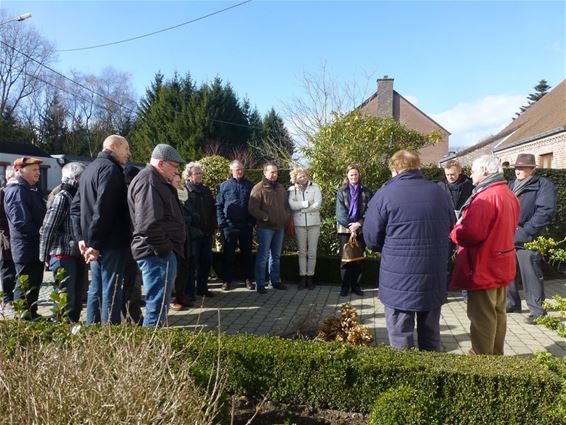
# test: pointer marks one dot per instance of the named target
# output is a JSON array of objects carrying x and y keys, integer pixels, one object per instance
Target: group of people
[
  {"x": 416, "y": 224},
  {"x": 122, "y": 221}
]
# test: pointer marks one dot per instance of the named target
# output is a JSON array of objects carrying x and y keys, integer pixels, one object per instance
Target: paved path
[{"x": 241, "y": 310}]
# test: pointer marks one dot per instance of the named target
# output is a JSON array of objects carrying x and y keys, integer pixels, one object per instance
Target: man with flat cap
[
  {"x": 537, "y": 197},
  {"x": 25, "y": 208},
  {"x": 158, "y": 230}
]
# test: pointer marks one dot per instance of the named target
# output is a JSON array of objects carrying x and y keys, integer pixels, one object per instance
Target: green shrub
[
  {"x": 216, "y": 169},
  {"x": 404, "y": 405}
]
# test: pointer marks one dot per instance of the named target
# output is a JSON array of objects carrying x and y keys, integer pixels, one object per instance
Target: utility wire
[
  {"x": 94, "y": 92},
  {"x": 156, "y": 32}
]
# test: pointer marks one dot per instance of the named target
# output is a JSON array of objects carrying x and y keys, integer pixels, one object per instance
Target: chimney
[{"x": 385, "y": 97}]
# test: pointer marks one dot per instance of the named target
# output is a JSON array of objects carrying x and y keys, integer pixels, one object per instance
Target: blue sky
[{"x": 467, "y": 64}]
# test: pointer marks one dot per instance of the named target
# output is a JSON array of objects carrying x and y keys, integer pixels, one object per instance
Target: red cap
[{"x": 25, "y": 161}]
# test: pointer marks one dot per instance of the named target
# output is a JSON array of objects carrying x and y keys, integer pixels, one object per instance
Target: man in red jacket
[{"x": 485, "y": 263}]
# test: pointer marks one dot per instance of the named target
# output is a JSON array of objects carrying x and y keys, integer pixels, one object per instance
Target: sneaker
[
  {"x": 261, "y": 290},
  {"x": 226, "y": 286},
  {"x": 250, "y": 285}
]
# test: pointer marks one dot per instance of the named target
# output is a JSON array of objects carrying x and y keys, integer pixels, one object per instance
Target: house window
[
  {"x": 545, "y": 160},
  {"x": 2, "y": 175}
]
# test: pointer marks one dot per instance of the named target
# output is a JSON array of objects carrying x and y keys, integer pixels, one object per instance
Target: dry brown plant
[
  {"x": 112, "y": 375},
  {"x": 345, "y": 328}
]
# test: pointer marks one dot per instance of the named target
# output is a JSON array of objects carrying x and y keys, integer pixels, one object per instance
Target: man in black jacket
[
  {"x": 25, "y": 208},
  {"x": 101, "y": 224},
  {"x": 159, "y": 230},
  {"x": 458, "y": 186},
  {"x": 537, "y": 196}
]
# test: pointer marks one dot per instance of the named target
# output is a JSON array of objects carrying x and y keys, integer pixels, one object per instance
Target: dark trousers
[
  {"x": 401, "y": 324},
  {"x": 182, "y": 279},
  {"x": 529, "y": 264},
  {"x": 232, "y": 238},
  {"x": 131, "y": 305},
  {"x": 7, "y": 279},
  {"x": 29, "y": 291},
  {"x": 199, "y": 265},
  {"x": 351, "y": 273},
  {"x": 73, "y": 281}
]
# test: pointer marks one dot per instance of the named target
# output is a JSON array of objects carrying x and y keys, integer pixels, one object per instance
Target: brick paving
[{"x": 276, "y": 312}]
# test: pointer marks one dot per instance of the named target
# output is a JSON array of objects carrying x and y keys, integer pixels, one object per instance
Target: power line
[{"x": 156, "y": 32}]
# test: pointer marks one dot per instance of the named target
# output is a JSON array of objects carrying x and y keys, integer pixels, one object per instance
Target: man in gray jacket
[{"x": 158, "y": 230}]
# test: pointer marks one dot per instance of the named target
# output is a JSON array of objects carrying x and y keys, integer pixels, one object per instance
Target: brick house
[
  {"x": 540, "y": 130},
  {"x": 386, "y": 102}
]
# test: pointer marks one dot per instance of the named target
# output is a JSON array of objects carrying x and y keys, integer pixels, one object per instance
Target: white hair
[
  {"x": 188, "y": 171},
  {"x": 71, "y": 171},
  {"x": 10, "y": 172},
  {"x": 488, "y": 163},
  {"x": 236, "y": 162}
]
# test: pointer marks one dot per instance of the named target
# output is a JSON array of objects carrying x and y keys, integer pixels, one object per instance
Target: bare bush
[{"x": 111, "y": 376}]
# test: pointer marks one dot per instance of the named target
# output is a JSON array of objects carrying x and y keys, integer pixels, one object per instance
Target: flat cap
[
  {"x": 166, "y": 153},
  {"x": 25, "y": 161}
]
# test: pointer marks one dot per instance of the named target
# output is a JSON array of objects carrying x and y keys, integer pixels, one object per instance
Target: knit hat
[
  {"x": 166, "y": 153},
  {"x": 25, "y": 161}
]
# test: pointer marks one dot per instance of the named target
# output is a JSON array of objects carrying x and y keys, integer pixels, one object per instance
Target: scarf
[
  {"x": 354, "y": 195},
  {"x": 488, "y": 181},
  {"x": 520, "y": 184},
  {"x": 268, "y": 182}
]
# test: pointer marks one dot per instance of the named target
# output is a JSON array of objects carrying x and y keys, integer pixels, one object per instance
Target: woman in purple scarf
[{"x": 351, "y": 204}]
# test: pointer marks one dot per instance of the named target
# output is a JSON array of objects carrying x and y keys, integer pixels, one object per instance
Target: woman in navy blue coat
[{"x": 409, "y": 220}]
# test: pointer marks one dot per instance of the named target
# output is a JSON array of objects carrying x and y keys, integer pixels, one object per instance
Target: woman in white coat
[{"x": 305, "y": 200}]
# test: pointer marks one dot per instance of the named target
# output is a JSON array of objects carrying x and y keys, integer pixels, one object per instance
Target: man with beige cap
[
  {"x": 25, "y": 208},
  {"x": 537, "y": 197}
]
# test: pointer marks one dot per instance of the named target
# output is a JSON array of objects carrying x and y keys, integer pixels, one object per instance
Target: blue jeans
[
  {"x": 73, "y": 282},
  {"x": 158, "y": 276},
  {"x": 270, "y": 242},
  {"x": 401, "y": 324},
  {"x": 107, "y": 275}
]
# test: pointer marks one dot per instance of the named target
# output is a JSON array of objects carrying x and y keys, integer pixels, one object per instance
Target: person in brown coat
[{"x": 270, "y": 207}]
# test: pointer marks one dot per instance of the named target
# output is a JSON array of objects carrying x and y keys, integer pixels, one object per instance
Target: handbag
[
  {"x": 352, "y": 251},
  {"x": 290, "y": 227}
]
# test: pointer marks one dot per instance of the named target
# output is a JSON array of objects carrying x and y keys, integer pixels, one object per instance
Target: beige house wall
[{"x": 555, "y": 144}]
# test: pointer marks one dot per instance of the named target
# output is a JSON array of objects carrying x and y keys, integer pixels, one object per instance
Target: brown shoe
[
  {"x": 175, "y": 306},
  {"x": 226, "y": 286},
  {"x": 250, "y": 285}
]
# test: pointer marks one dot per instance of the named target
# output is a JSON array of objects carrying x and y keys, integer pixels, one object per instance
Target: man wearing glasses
[{"x": 159, "y": 230}]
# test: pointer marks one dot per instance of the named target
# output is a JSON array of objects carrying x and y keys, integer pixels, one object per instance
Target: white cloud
[{"x": 472, "y": 122}]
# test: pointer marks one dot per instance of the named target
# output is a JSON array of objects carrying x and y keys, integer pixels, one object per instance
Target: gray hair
[
  {"x": 71, "y": 171},
  {"x": 236, "y": 162},
  {"x": 488, "y": 163},
  {"x": 188, "y": 171},
  {"x": 10, "y": 172}
]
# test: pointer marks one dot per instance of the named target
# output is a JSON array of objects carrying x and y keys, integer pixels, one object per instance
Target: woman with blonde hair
[
  {"x": 305, "y": 200},
  {"x": 351, "y": 204}
]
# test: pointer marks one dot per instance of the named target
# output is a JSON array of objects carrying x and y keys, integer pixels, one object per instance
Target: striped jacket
[{"x": 56, "y": 234}]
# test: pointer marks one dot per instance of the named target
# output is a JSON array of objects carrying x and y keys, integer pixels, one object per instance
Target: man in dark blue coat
[
  {"x": 409, "y": 220},
  {"x": 537, "y": 196},
  {"x": 236, "y": 224},
  {"x": 101, "y": 223},
  {"x": 25, "y": 208}
]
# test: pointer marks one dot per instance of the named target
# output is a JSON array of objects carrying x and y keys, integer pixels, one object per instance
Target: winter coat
[
  {"x": 409, "y": 220},
  {"x": 343, "y": 205},
  {"x": 5, "y": 253},
  {"x": 538, "y": 207},
  {"x": 100, "y": 208},
  {"x": 305, "y": 204},
  {"x": 56, "y": 233},
  {"x": 232, "y": 203},
  {"x": 203, "y": 204},
  {"x": 25, "y": 209},
  {"x": 462, "y": 189},
  {"x": 157, "y": 218},
  {"x": 269, "y": 205},
  {"x": 485, "y": 235}
]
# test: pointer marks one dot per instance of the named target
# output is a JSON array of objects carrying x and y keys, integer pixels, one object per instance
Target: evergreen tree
[
  {"x": 11, "y": 129},
  {"x": 54, "y": 128},
  {"x": 277, "y": 143},
  {"x": 541, "y": 89}
]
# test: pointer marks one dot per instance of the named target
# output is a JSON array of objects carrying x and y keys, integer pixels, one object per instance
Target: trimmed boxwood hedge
[{"x": 466, "y": 389}]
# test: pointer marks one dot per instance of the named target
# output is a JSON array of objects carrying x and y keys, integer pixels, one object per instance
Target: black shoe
[
  {"x": 310, "y": 283},
  {"x": 302, "y": 283},
  {"x": 513, "y": 310},
  {"x": 207, "y": 294},
  {"x": 279, "y": 286},
  {"x": 344, "y": 292},
  {"x": 261, "y": 290},
  {"x": 531, "y": 319},
  {"x": 358, "y": 291}
]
